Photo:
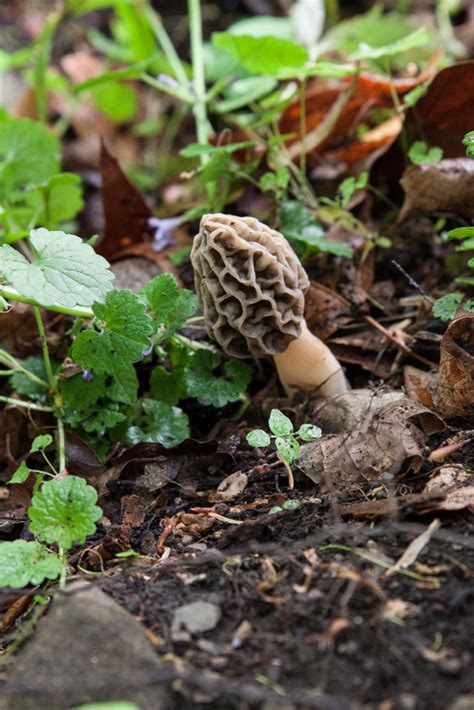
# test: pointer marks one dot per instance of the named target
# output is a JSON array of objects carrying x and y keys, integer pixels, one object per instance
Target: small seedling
[{"x": 287, "y": 441}]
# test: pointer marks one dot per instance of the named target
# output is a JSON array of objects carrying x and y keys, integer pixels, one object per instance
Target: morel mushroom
[{"x": 251, "y": 286}]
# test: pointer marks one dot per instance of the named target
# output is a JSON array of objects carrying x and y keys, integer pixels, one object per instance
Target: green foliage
[
  {"x": 161, "y": 423},
  {"x": 211, "y": 389},
  {"x": 21, "y": 474},
  {"x": 21, "y": 384},
  {"x": 116, "y": 100},
  {"x": 29, "y": 156},
  {"x": 420, "y": 153},
  {"x": 23, "y": 563},
  {"x": 285, "y": 438},
  {"x": 417, "y": 38},
  {"x": 468, "y": 141},
  {"x": 301, "y": 228},
  {"x": 261, "y": 55},
  {"x": 64, "y": 511},
  {"x": 123, "y": 337},
  {"x": 66, "y": 271},
  {"x": 445, "y": 308},
  {"x": 258, "y": 438},
  {"x": 32, "y": 190},
  {"x": 170, "y": 305}
]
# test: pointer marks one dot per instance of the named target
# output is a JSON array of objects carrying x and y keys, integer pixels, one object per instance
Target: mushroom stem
[{"x": 308, "y": 364}]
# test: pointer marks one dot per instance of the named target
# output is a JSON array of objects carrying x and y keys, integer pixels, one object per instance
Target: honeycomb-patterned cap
[{"x": 251, "y": 285}]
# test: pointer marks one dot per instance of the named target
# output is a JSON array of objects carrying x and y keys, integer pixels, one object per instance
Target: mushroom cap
[{"x": 251, "y": 285}]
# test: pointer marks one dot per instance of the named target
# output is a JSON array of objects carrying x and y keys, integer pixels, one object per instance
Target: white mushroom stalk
[
  {"x": 308, "y": 364},
  {"x": 251, "y": 286}
]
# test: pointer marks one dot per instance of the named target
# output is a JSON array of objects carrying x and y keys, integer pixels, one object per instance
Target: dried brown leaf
[
  {"x": 456, "y": 368},
  {"x": 447, "y": 186},
  {"x": 389, "y": 440}
]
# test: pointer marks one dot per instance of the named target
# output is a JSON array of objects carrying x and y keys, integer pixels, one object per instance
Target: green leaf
[
  {"x": 415, "y": 39},
  {"x": 23, "y": 563},
  {"x": 99, "y": 419},
  {"x": 445, "y": 308},
  {"x": 56, "y": 201},
  {"x": 211, "y": 389},
  {"x": 164, "y": 425},
  {"x": 421, "y": 154},
  {"x": 40, "y": 443},
  {"x": 461, "y": 233},
  {"x": 123, "y": 339},
  {"x": 195, "y": 150},
  {"x": 171, "y": 305},
  {"x": 124, "y": 386},
  {"x": 66, "y": 271},
  {"x": 64, "y": 511},
  {"x": 29, "y": 155},
  {"x": 243, "y": 92},
  {"x": 309, "y": 432},
  {"x": 261, "y": 55},
  {"x": 468, "y": 141},
  {"x": 118, "y": 101},
  {"x": 279, "y": 424},
  {"x": 258, "y": 438},
  {"x": 24, "y": 386},
  {"x": 21, "y": 474},
  {"x": 298, "y": 224},
  {"x": 288, "y": 448},
  {"x": 167, "y": 386},
  {"x": 349, "y": 187},
  {"x": 79, "y": 393},
  {"x": 290, "y": 505}
]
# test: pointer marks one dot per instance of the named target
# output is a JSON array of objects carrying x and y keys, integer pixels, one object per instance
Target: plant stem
[
  {"x": 303, "y": 126},
  {"x": 27, "y": 405},
  {"x": 62, "y": 576},
  {"x": 166, "y": 45},
  {"x": 61, "y": 444},
  {"x": 9, "y": 361},
  {"x": 44, "y": 348},
  {"x": 199, "y": 80},
  {"x": 79, "y": 312}
]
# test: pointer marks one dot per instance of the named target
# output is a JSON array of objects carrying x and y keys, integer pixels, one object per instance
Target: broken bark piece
[{"x": 252, "y": 287}]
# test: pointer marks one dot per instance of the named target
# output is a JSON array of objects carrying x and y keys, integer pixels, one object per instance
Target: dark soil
[{"x": 325, "y": 627}]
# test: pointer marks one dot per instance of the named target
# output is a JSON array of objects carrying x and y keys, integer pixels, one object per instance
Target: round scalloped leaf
[
  {"x": 64, "y": 511},
  {"x": 258, "y": 438},
  {"x": 29, "y": 155},
  {"x": 310, "y": 432},
  {"x": 123, "y": 340},
  {"x": 66, "y": 272},
  {"x": 211, "y": 389},
  {"x": 279, "y": 423},
  {"x": 23, "y": 563}
]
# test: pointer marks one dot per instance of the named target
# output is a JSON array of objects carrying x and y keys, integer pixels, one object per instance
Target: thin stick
[{"x": 396, "y": 342}]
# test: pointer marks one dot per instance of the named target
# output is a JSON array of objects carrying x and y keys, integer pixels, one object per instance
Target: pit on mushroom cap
[{"x": 251, "y": 286}]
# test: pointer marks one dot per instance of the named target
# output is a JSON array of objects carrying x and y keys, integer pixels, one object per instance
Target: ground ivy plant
[{"x": 94, "y": 390}]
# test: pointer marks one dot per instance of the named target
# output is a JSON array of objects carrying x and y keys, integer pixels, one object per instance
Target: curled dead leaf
[
  {"x": 456, "y": 368},
  {"x": 388, "y": 440}
]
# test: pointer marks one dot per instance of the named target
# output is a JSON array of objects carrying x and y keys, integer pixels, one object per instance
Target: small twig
[
  {"x": 398, "y": 343},
  {"x": 412, "y": 281}
]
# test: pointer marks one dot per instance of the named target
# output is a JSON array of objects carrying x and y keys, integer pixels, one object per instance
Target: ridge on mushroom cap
[{"x": 250, "y": 283}]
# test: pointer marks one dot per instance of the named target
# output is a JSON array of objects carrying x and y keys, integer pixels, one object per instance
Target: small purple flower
[
  {"x": 149, "y": 348},
  {"x": 87, "y": 375},
  {"x": 163, "y": 231},
  {"x": 167, "y": 80}
]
